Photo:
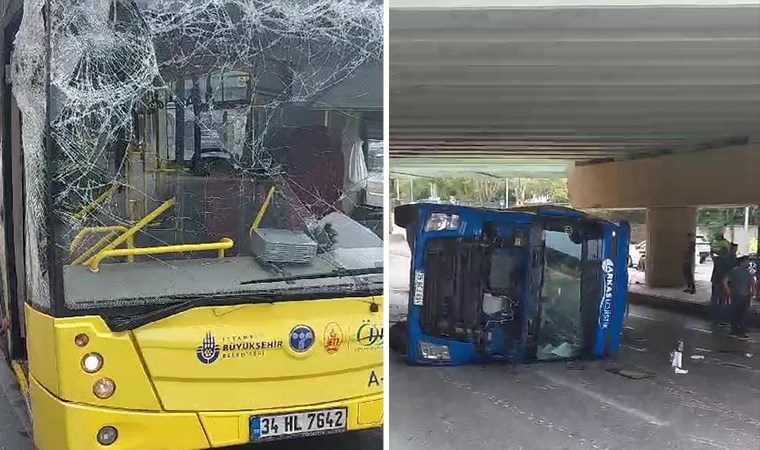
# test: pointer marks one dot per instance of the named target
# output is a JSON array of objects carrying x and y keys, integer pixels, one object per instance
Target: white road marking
[
  {"x": 646, "y": 417},
  {"x": 709, "y": 442},
  {"x": 638, "y": 316},
  {"x": 701, "y": 330},
  {"x": 637, "y": 349}
]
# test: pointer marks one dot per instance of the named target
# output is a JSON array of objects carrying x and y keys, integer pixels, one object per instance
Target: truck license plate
[{"x": 306, "y": 423}]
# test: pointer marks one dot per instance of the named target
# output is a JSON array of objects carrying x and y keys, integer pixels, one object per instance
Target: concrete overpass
[{"x": 642, "y": 104}]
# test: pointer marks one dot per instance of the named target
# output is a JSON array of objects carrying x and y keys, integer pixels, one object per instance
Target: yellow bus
[{"x": 190, "y": 257}]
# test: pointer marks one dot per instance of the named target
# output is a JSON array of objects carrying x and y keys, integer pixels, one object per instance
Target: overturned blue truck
[{"x": 518, "y": 285}]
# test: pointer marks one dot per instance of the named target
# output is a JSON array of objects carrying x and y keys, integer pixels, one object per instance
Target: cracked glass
[
  {"x": 560, "y": 330},
  {"x": 200, "y": 147}
]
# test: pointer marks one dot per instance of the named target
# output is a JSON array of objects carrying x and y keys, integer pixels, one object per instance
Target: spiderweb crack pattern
[{"x": 111, "y": 59}]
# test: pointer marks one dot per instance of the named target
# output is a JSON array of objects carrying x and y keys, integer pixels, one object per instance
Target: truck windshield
[
  {"x": 560, "y": 326},
  {"x": 198, "y": 144}
]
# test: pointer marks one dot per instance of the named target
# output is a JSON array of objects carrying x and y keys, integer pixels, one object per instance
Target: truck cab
[{"x": 519, "y": 285}]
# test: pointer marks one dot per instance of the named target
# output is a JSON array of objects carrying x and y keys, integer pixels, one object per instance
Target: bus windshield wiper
[
  {"x": 123, "y": 323},
  {"x": 340, "y": 273}
]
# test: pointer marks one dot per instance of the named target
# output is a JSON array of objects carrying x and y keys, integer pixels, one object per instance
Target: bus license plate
[{"x": 307, "y": 423}]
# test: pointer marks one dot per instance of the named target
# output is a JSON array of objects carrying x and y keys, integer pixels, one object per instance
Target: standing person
[
  {"x": 720, "y": 245},
  {"x": 688, "y": 263},
  {"x": 740, "y": 287},
  {"x": 722, "y": 265}
]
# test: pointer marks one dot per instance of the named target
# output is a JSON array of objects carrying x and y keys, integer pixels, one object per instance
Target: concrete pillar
[{"x": 666, "y": 241}]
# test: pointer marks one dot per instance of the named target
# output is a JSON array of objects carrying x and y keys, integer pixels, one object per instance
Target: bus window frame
[{"x": 12, "y": 193}]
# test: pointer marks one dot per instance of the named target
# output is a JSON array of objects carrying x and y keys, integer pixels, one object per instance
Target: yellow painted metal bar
[
  {"x": 92, "y": 230},
  {"x": 136, "y": 228},
  {"x": 221, "y": 246},
  {"x": 94, "y": 249},
  {"x": 86, "y": 255},
  {"x": 102, "y": 198},
  {"x": 262, "y": 211}
]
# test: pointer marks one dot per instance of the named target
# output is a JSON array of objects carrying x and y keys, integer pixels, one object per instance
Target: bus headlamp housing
[
  {"x": 435, "y": 352},
  {"x": 442, "y": 222},
  {"x": 104, "y": 388},
  {"x": 92, "y": 362},
  {"x": 107, "y": 435}
]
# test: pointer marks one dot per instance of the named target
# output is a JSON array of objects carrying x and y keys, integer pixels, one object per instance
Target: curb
[
  {"x": 10, "y": 390},
  {"x": 701, "y": 310}
]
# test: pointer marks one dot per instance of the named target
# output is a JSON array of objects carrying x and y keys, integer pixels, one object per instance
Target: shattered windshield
[{"x": 195, "y": 145}]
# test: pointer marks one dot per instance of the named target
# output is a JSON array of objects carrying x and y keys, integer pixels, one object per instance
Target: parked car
[
  {"x": 703, "y": 248},
  {"x": 634, "y": 256},
  {"x": 641, "y": 251}
]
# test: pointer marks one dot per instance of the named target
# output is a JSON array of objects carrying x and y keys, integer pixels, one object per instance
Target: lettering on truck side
[{"x": 605, "y": 306}]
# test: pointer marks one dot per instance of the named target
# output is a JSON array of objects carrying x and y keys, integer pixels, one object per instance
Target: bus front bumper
[{"x": 60, "y": 425}]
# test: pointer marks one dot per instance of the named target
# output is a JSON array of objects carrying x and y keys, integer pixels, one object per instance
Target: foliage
[{"x": 483, "y": 190}]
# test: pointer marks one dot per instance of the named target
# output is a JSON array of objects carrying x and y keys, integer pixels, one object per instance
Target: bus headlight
[
  {"x": 442, "y": 222},
  {"x": 81, "y": 340},
  {"x": 435, "y": 351},
  {"x": 107, "y": 435},
  {"x": 104, "y": 388},
  {"x": 92, "y": 362}
]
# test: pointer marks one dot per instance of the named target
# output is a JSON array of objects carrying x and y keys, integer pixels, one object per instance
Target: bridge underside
[
  {"x": 641, "y": 105},
  {"x": 476, "y": 87}
]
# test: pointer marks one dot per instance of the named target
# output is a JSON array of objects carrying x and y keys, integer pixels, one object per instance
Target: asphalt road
[
  {"x": 12, "y": 434},
  {"x": 364, "y": 440},
  {"x": 13, "y": 437},
  {"x": 548, "y": 406},
  {"x": 560, "y": 406}
]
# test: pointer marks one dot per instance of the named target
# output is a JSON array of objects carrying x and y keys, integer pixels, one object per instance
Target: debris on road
[
  {"x": 697, "y": 357},
  {"x": 630, "y": 373},
  {"x": 676, "y": 359}
]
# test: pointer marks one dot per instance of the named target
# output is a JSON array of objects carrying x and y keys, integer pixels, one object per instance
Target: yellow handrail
[
  {"x": 136, "y": 228},
  {"x": 86, "y": 255},
  {"x": 260, "y": 215},
  {"x": 92, "y": 230},
  {"x": 102, "y": 198},
  {"x": 221, "y": 246}
]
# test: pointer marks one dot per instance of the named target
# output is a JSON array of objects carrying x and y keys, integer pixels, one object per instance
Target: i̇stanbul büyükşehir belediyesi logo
[
  {"x": 209, "y": 350},
  {"x": 233, "y": 347}
]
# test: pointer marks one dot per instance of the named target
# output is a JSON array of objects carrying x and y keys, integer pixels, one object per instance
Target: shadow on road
[{"x": 359, "y": 440}]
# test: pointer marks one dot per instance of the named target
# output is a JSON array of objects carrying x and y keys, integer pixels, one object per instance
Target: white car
[
  {"x": 703, "y": 248},
  {"x": 634, "y": 255},
  {"x": 638, "y": 252}
]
